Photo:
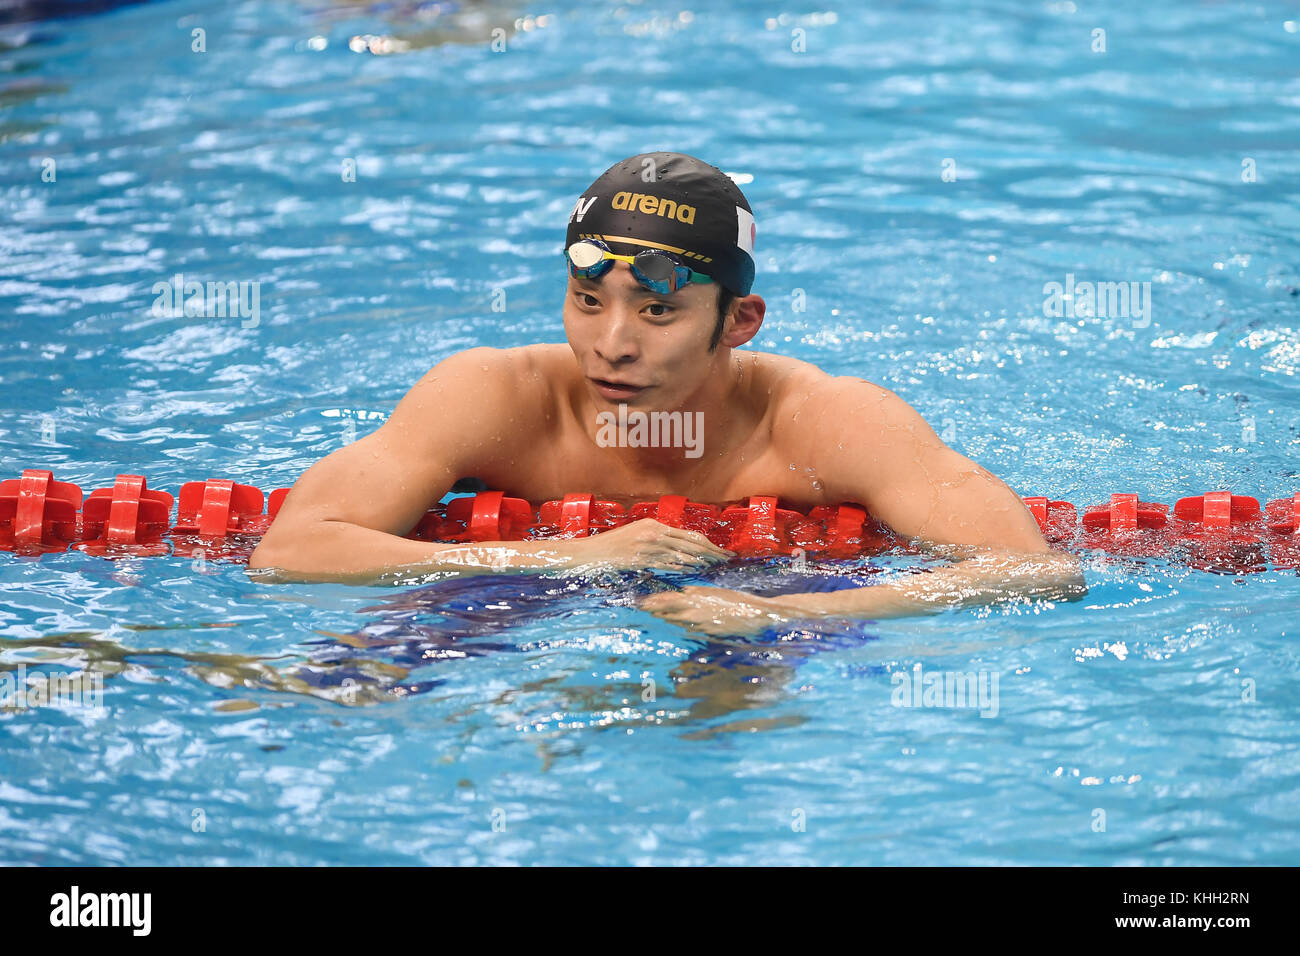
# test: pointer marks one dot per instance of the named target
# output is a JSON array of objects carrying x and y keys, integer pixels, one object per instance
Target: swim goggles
[{"x": 657, "y": 270}]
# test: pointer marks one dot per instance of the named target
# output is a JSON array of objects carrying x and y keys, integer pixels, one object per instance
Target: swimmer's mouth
[{"x": 616, "y": 390}]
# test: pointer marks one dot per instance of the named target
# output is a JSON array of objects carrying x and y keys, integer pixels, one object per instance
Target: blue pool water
[{"x": 501, "y": 720}]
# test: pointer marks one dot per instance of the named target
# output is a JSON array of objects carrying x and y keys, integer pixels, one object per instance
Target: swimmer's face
[{"x": 638, "y": 347}]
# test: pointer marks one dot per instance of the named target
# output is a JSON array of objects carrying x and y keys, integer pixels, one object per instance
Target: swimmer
[{"x": 660, "y": 261}]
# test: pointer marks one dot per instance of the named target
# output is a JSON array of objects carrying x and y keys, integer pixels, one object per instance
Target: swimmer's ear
[{"x": 744, "y": 319}]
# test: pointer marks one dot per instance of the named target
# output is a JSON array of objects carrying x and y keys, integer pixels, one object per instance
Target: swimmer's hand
[
  {"x": 646, "y": 543},
  {"x": 718, "y": 611}
]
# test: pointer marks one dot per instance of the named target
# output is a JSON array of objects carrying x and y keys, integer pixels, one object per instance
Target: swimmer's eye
[{"x": 655, "y": 310}]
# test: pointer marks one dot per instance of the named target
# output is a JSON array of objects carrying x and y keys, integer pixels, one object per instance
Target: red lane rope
[{"x": 1216, "y": 531}]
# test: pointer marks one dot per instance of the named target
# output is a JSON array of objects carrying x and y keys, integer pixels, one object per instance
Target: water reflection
[
  {"x": 403, "y": 649},
  {"x": 403, "y": 26}
]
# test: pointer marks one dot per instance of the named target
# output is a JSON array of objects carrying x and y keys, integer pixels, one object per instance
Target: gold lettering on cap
[{"x": 654, "y": 206}]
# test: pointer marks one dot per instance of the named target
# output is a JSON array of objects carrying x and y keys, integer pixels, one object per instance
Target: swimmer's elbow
[
  {"x": 268, "y": 563},
  {"x": 276, "y": 562},
  {"x": 286, "y": 552},
  {"x": 1066, "y": 573},
  {"x": 1074, "y": 588},
  {"x": 275, "y": 568},
  {"x": 1050, "y": 574}
]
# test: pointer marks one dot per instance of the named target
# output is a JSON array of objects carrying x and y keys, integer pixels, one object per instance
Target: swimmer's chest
[
  {"x": 548, "y": 471},
  {"x": 551, "y": 456}
]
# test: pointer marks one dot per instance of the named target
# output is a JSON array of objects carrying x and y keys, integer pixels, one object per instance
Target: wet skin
[{"x": 525, "y": 420}]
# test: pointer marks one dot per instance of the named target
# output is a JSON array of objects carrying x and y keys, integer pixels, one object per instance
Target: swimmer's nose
[{"x": 617, "y": 344}]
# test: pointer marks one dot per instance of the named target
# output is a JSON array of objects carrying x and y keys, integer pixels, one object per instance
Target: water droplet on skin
[{"x": 817, "y": 484}]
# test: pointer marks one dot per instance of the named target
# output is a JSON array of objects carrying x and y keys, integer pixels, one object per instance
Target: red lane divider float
[
  {"x": 1282, "y": 518},
  {"x": 216, "y": 508},
  {"x": 128, "y": 518},
  {"x": 37, "y": 513},
  {"x": 1217, "y": 531}
]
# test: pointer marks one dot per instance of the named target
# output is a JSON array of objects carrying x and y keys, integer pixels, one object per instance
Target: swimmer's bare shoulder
[
  {"x": 847, "y": 425},
  {"x": 800, "y": 394},
  {"x": 541, "y": 378},
  {"x": 872, "y": 447}
]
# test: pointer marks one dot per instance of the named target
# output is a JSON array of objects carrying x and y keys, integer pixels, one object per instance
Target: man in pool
[{"x": 660, "y": 259}]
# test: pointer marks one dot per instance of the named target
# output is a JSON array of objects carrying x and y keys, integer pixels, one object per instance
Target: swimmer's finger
[
  {"x": 690, "y": 540},
  {"x": 696, "y": 559},
  {"x": 686, "y": 560},
  {"x": 681, "y": 534},
  {"x": 701, "y": 541},
  {"x": 682, "y": 554},
  {"x": 668, "y": 563}
]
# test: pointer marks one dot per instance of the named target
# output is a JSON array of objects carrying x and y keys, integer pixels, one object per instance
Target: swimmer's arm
[
  {"x": 871, "y": 447},
  {"x": 344, "y": 553},
  {"x": 344, "y": 518},
  {"x": 988, "y": 577},
  {"x": 363, "y": 556},
  {"x": 893, "y": 463}
]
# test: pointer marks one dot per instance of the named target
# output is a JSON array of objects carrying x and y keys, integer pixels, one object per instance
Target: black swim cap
[{"x": 675, "y": 202}]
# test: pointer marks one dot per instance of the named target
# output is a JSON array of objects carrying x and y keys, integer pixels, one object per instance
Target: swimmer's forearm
[
  {"x": 336, "y": 551},
  {"x": 984, "y": 579}
]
